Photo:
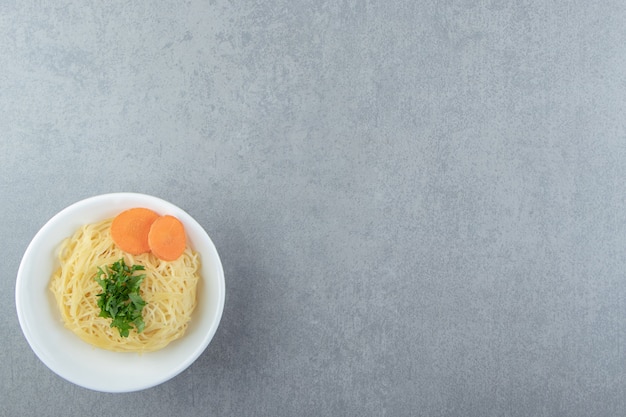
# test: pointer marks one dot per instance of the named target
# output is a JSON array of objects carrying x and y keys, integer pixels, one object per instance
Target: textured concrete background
[{"x": 419, "y": 205}]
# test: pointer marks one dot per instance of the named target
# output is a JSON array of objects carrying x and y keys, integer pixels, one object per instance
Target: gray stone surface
[{"x": 419, "y": 205}]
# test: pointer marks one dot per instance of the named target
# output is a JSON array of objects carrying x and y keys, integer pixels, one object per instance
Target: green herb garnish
[{"x": 120, "y": 299}]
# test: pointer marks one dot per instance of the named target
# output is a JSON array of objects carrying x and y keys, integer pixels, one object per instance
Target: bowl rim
[{"x": 192, "y": 352}]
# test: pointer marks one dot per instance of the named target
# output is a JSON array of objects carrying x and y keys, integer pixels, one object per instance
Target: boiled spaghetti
[{"x": 169, "y": 290}]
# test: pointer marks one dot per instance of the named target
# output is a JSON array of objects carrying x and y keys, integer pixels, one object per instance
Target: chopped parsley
[{"x": 120, "y": 299}]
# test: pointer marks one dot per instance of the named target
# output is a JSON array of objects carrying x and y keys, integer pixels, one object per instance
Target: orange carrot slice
[
  {"x": 130, "y": 228},
  {"x": 167, "y": 238}
]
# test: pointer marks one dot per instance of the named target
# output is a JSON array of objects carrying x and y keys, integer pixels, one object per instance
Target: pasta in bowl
[
  {"x": 169, "y": 289},
  {"x": 181, "y": 315}
]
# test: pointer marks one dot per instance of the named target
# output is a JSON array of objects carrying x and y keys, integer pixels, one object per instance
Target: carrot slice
[
  {"x": 167, "y": 238},
  {"x": 130, "y": 228}
]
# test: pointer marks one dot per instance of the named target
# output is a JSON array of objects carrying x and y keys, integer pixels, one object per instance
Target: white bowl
[{"x": 93, "y": 368}]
